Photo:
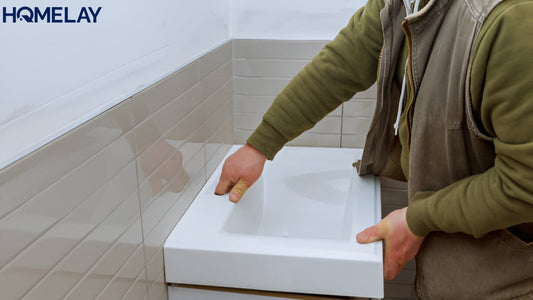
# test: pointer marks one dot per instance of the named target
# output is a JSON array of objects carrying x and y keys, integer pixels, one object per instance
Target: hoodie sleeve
[
  {"x": 502, "y": 99},
  {"x": 342, "y": 68}
]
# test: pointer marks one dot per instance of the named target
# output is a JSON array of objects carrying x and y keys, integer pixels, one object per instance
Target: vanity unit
[{"x": 292, "y": 232}]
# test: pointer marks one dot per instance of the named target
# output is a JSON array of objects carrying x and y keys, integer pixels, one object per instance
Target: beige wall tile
[
  {"x": 222, "y": 136},
  {"x": 216, "y": 58},
  {"x": 274, "y": 49},
  {"x": 370, "y": 93},
  {"x": 78, "y": 231},
  {"x": 251, "y": 104},
  {"x": 247, "y": 120},
  {"x": 328, "y": 125},
  {"x": 213, "y": 162},
  {"x": 161, "y": 121},
  {"x": 39, "y": 215},
  {"x": 316, "y": 140},
  {"x": 159, "y": 205},
  {"x": 82, "y": 267},
  {"x": 125, "y": 277},
  {"x": 307, "y": 139},
  {"x": 353, "y": 140},
  {"x": 154, "y": 267},
  {"x": 170, "y": 177},
  {"x": 160, "y": 164},
  {"x": 157, "y": 234},
  {"x": 139, "y": 290},
  {"x": 259, "y": 86},
  {"x": 160, "y": 94},
  {"x": 359, "y": 108},
  {"x": 192, "y": 122},
  {"x": 218, "y": 118},
  {"x": 217, "y": 99},
  {"x": 159, "y": 290},
  {"x": 359, "y": 125},
  {"x": 268, "y": 68},
  {"x": 24, "y": 179},
  {"x": 241, "y": 135},
  {"x": 216, "y": 79},
  {"x": 105, "y": 270},
  {"x": 61, "y": 249}
]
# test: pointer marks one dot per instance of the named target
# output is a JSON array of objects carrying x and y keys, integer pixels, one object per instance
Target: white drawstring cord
[
  {"x": 400, "y": 105},
  {"x": 408, "y": 12}
]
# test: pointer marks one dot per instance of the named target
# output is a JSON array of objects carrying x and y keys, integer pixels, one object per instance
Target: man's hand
[
  {"x": 401, "y": 245},
  {"x": 240, "y": 171}
]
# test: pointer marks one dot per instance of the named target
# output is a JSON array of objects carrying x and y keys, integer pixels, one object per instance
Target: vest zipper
[
  {"x": 379, "y": 60},
  {"x": 411, "y": 83}
]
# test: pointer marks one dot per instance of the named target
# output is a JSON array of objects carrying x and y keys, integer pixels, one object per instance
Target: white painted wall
[
  {"x": 54, "y": 77},
  {"x": 290, "y": 19}
]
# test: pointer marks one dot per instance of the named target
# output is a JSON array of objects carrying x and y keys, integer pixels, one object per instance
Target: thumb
[
  {"x": 374, "y": 233},
  {"x": 237, "y": 191}
]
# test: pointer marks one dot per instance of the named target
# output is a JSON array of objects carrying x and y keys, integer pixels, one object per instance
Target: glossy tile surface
[
  {"x": 84, "y": 216},
  {"x": 276, "y": 49},
  {"x": 262, "y": 68},
  {"x": 24, "y": 179}
]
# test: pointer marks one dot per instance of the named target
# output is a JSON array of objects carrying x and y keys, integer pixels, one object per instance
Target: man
[{"x": 454, "y": 117}]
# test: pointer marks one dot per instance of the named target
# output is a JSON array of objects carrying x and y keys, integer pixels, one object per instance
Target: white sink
[{"x": 293, "y": 231}]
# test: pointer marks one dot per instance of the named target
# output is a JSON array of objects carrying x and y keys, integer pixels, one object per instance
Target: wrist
[
  {"x": 255, "y": 152},
  {"x": 418, "y": 219}
]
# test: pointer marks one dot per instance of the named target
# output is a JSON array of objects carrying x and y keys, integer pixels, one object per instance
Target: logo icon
[{"x": 52, "y": 14}]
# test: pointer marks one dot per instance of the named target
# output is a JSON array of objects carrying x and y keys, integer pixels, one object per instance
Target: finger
[
  {"x": 391, "y": 269},
  {"x": 223, "y": 186},
  {"x": 237, "y": 191},
  {"x": 373, "y": 233}
]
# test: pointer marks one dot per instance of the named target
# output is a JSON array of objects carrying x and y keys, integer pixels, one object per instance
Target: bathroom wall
[
  {"x": 86, "y": 216},
  {"x": 131, "y": 46},
  {"x": 59, "y": 75},
  {"x": 263, "y": 68}
]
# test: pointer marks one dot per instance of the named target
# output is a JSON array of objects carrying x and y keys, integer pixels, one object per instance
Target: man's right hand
[{"x": 240, "y": 171}]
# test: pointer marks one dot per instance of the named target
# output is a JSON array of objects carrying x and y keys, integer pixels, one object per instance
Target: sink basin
[{"x": 293, "y": 231}]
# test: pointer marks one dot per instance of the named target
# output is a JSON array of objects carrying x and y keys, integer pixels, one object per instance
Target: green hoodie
[{"x": 349, "y": 65}]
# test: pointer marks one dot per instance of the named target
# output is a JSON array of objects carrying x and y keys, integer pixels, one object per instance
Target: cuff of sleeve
[
  {"x": 418, "y": 214},
  {"x": 267, "y": 140}
]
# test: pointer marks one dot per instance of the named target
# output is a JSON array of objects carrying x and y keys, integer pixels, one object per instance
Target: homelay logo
[{"x": 51, "y": 14}]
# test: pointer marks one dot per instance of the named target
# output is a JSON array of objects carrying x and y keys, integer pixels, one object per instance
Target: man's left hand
[{"x": 401, "y": 245}]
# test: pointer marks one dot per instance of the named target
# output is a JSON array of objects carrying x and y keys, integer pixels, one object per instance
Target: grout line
[
  {"x": 189, "y": 184},
  {"x": 81, "y": 239},
  {"x": 164, "y": 107},
  {"x": 59, "y": 220},
  {"x": 128, "y": 260},
  {"x": 263, "y": 78},
  {"x": 342, "y": 124},
  {"x": 280, "y": 59},
  {"x": 178, "y": 123},
  {"x": 137, "y": 155},
  {"x": 176, "y": 150},
  {"x": 214, "y": 52},
  {"x": 134, "y": 282},
  {"x": 88, "y": 273},
  {"x": 68, "y": 173},
  {"x": 157, "y": 277}
]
